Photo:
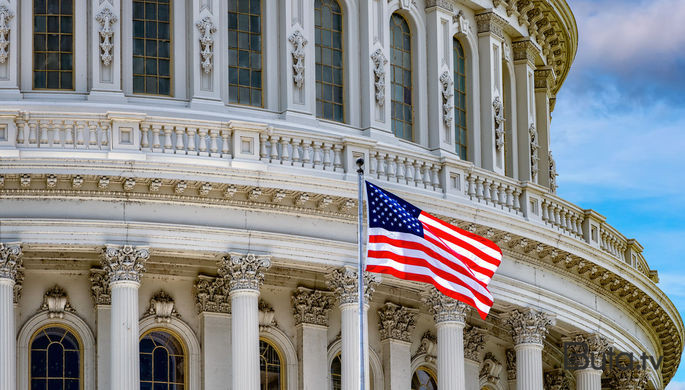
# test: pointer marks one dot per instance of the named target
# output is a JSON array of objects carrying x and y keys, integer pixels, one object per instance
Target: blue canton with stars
[{"x": 390, "y": 212}]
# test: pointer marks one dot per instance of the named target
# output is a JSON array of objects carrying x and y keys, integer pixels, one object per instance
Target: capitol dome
[{"x": 178, "y": 199}]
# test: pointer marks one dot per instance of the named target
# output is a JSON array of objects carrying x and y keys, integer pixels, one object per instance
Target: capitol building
[{"x": 178, "y": 200}]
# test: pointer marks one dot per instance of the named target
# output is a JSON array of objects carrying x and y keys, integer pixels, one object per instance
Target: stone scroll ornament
[
  {"x": 207, "y": 30},
  {"x": 379, "y": 63},
  {"x": 299, "y": 42},
  {"x": 552, "y": 173},
  {"x": 498, "y": 108},
  {"x": 447, "y": 91},
  {"x": 5, "y": 16},
  {"x": 534, "y": 146},
  {"x": 106, "y": 19}
]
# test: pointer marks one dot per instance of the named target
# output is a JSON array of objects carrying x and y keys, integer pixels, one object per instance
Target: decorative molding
[
  {"x": 596, "y": 347},
  {"x": 343, "y": 283},
  {"x": 463, "y": 24},
  {"x": 99, "y": 286},
  {"x": 406, "y": 4},
  {"x": 447, "y": 91},
  {"x": 106, "y": 18},
  {"x": 311, "y": 306},
  {"x": 528, "y": 326},
  {"x": 491, "y": 369},
  {"x": 444, "y": 308},
  {"x": 56, "y": 302},
  {"x": 557, "y": 380},
  {"x": 534, "y": 156},
  {"x": 525, "y": 51},
  {"x": 18, "y": 286},
  {"x": 498, "y": 110},
  {"x": 162, "y": 307},
  {"x": 511, "y": 364},
  {"x": 266, "y": 315},
  {"x": 379, "y": 63},
  {"x": 124, "y": 263},
  {"x": 552, "y": 173},
  {"x": 474, "y": 342},
  {"x": 207, "y": 30},
  {"x": 428, "y": 347},
  {"x": 11, "y": 260},
  {"x": 628, "y": 377},
  {"x": 396, "y": 322},
  {"x": 444, "y": 4},
  {"x": 506, "y": 51},
  {"x": 244, "y": 271},
  {"x": 212, "y": 295},
  {"x": 491, "y": 23},
  {"x": 299, "y": 42},
  {"x": 5, "y": 16},
  {"x": 544, "y": 78}
]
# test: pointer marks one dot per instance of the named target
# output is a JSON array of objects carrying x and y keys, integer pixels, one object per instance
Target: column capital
[
  {"x": 544, "y": 79},
  {"x": 11, "y": 260},
  {"x": 212, "y": 295},
  {"x": 528, "y": 326},
  {"x": 557, "y": 380},
  {"x": 244, "y": 271},
  {"x": 474, "y": 342},
  {"x": 444, "y": 5},
  {"x": 124, "y": 263},
  {"x": 588, "y": 343},
  {"x": 99, "y": 287},
  {"x": 525, "y": 50},
  {"x": 628, "y": 378},
  {"x": 311, "y": 306},
  {"x": 490, "y": 22},
  {"x": 343, "y": 282},
  {"x": 396, "y": 322},
  {"x": 443, "y": 308}
]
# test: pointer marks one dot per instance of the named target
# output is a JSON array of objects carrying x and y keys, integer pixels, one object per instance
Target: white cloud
[{"x": 676, "y": 386}]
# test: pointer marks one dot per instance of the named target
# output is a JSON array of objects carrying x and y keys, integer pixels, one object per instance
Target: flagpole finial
[{"x": 360, "y": 165}]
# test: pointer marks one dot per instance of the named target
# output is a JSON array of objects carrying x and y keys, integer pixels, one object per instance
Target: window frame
[
  {"x": 343, "y": 68},
  {"x": 283, "y": 365},
  {"x": 184, "y": 347},
  {"x": 33, "y": 51},
  {"x": 433, "y": 375},
  {"x": 80, "y": 345},
  {"x": 457, "y": 128},
  {"x": 227, "y": 84},
  {"x": 412, "y": 76},
  {"x": 172, "y": 58}
]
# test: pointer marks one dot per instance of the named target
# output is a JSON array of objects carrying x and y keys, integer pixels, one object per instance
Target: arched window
[
  {"x": 53, "y": 44},
  {"x": 424, "y": 379},
  {"x": 460, "y": 128},
  {"x": 152, "y": 47},
  {"x": 162, "y": 361},
  {"x": 400, "y": 73},
  {"x": 336, "y": 373},
  {"x": 329, "y": 60},
  {"x": 55, "y": 359},
  {"x": 271, "y": 367},
  {"x": 245, "y": 52}
]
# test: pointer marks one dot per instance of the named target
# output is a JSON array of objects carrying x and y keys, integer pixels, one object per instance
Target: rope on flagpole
[{"x": 360, "y": 273}]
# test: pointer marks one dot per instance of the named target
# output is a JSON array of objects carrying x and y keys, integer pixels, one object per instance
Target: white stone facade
[{"x": 226, "y": 224}]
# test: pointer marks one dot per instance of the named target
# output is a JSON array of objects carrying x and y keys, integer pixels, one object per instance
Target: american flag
[{"x": 409, "y": 243}]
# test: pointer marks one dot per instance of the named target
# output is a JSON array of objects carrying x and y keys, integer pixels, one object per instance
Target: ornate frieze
[
  {"x": 544, "y": 78},
  {"x": 212, "y": 295},
  {"x": 244, "y": 271},
  {"x": 106, "y": 18},
  {"x": 463, "y": 24},
  {"x": 528, "y": 326},
  {"x": 511, "y": 364},
  {"x": 379, "y": 63},
  {"x": 498, "y": 110},
  {"x": 124, "y": 263},
  {"x": 444, "y": 4},
  {"x": 343, "y": 283},
  {"x": 474, "y": 342},
  {"x": 11, "y": 260},
  {"x": 56, "y": 302},
  {"x": 162, "y": 307},
  {"x": 489, "y": 22},
  {"x": 311, "y": 306},
  {"x": 491, "y": 369},
  {"x": 396, "y": 322},
  {"x": 5, "y": 16},
  {"x": 207, "y": 30},
  {"x": 299, "y": 42},
  {"x": 524, "y": 50},
  {"x": 628, "y": 378},
  {"x": 557, "y": 380},
  {"x": 447, "y": 91},
  {"x": 99, "y": 287},
  {"x": 552, "y": 174},
  {"x": 592, "y": 345},
  {"x": 534, "y": 157},
  {"x": 444, "y": 308}
]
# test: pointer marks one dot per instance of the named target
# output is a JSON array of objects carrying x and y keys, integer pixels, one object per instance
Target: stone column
[
  {"x": 10, "y": 266},
  {"x": 396, "y": 323},
  {"x": 310, "y": 309},
  {"x": 450, "y": 319},
  {"x": 102, "y": 297},
  {"x": 627, "y": 378},
  {"x": 343, "y": 282},
  {"x": 544, "y": 81},
  {"x": 474, "y": 342},
  {"x": 245, "y": 274},
  {"x": 524, "y": 68},
  {"x": 528, "y": 328},
  {"x": 124, "y": 266},
  {"x": 589, "y": 372},
  {"x": 214, "y": 307}
]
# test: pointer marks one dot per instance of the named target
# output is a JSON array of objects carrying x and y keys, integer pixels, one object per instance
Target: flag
[{"x": 410, "y": 244}]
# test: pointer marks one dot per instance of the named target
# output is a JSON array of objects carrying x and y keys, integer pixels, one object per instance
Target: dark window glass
[
  {"x": 423, "y": 379},
  {"x": 151, "y": 47},
  {"x": 162, "y": 362},
  {"x": 329, "y": 60},
  {"x": 245, "y": 52},
  {"x": 401, "y": 78},
  {"x": 336, "y": 373},
  {"x": 460, "y": 128},
  {"x": 53, "y": 61},
  {"x": 271, "y": 367},
  {"x": 55, "y": 360}
]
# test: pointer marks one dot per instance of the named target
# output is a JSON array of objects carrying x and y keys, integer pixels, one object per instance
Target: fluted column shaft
[
  {"x": 245, "y": 339},
  {"x": 124, "y": 367},
  {"x": 588, "y": 379},
  {"x": 8, "y": 350},
  {"x": 451, "y": 355},
  {"x": 529, "y": 366},
  {"x": 529, "y": 329},
  {"x": 472, "y": 374},
  {"x": 350, "y": 345}
]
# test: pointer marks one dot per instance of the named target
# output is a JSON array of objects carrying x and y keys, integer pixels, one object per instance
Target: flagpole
[{"x": 360, "y": 272}]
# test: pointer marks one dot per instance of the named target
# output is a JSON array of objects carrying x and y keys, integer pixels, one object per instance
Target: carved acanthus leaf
[
  {"x": 474, "y": 342},
  {"x": 207, "y": 30},
  {"x": 396, "y": 322},
  {"x": 311, "y": 306},
  {"x": 99, "y": 287},
  {"x": 343, "y": 282},
  {"x": 244, "y": 271},
  {"x": 124, "y": 263},
  {"x": 11, "y": 260},
  {"x": 162, "y": 307},
  {"x": 106, "y": 18},
  {"x": 299, "y": 42},
  {"x": 444, "y": 308},
  {"x": 528, "y": 326},
  {"x": 56, "y": 302},
  {"x": 212, "y": 295}
]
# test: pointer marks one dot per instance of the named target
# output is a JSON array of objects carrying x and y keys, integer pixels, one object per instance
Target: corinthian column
[
  {"x": 395, "y": 325},
  {"x": 592, "y": 348},
  {"x": 343, "y": 282},
  {"x": 10, "y": 265},
  {"x": 450, "y": 317},
  {"x": 628, "y": 378},
  {"x": 124, "y": 266},
  {"x": 245, "y": 274},
  {"x": 528, "y": 329},
  {"x": 474, "y": 342}
]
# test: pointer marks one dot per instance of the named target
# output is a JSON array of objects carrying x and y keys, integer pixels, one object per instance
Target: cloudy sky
[{"x": 618, "y": 129}]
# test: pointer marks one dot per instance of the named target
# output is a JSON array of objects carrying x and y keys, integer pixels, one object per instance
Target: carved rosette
[
  {"x": 212, "y": 295},
  {"x": 162, "y": 307},
  {"x": 444, "y": 308},
  {"x": 379, "y": 63},
  {"x": 490, "y": 370},
  {"x": 124, "y": 263},
  {"x": 528, "y": 326},
  {"x": 552, "y": 173},
  {"x": 106, "y": 19},
  {"x": 534, "y": 147},
  {"x": 244, "y": 271},
  {"x": 343, "y": 282},
  {"x": 447, "y": 91},
  {"x": 11, "y": 260},
  {"x": 299, "y": 42},
  {"x": 498, "y": 109},
  {"x": 99, "y": 287},
  {"x": 396, "y": 322},
  {"x": 56, "y": 302},
  {"x": 628, "y": 378},
  {"x": 596, "y": 347},
  {"x": 557, "y": 380},
  {"x": 311, "y": 306},
  {"x": 207, "y": 30},
  {"x": 474, "y": 342},
  {"x": 511, "y": 364},
  {"x": 5, "y": 16}
]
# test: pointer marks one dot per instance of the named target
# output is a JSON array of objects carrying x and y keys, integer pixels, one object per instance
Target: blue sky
[{"x": 618, "y": 129}]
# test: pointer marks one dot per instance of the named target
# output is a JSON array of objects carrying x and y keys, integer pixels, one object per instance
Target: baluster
[
  {"x": 502, "y": 188},
  {"x": 573, "y": 225},
  {"x": 155, "y": 138},
  {"x": 296, "y": 152},
  {"x": 92, "y": 134},
  {"x": 318, "y": 158},
  {"x": 44, "y": 132},
  {"x": 327, "y": 160},
  {"x": 436, "y": 177},
  {"x": 273, "y": 142},
  {"x": 285, "y": 155},
  {"x": 213, "y": 144},
  {"x": 262, "y": 147},
  {"x": 168, "y": 144},
  {"x": 33, "y": 138},
  {"x": 380, "y": 169},
  {"x": 486, "y": 190},
  {"x": 226, "y": 143},
  {"x": 179, "y": 130},
  {"x": 579, "y": 227},
  {"x": 372, "y": 163},
  {"x": 557, "y": 215},
  {"x": 390, "y": 163},
  {"x": 545, "y": 213},
  {"x": 202, "y": 148},
  {"x": 418, "y": 178},
  {"x": 104, "y": 141},
  {"x": 408, "y": 172},
  {"x": 144, "y": 138},
  {"x": 517, "y": 199},
  {"x": 80, "y": 136},
  {"x": 569, "y": 226},
  {"x": 494, "y": 193},
  {"x": 426, "y": 172},
  {"x": 306, "y": 154},
  {"x": 56, "y": 130},
  {"x": 479, "y": 188},
  {"x": 337, "y": 158},
  {"x": 68, "y": 132},
  {"x": 191, "y": 139},
  {"x": 509, "y": 197},
  {"x": 400, "y": 170},
  {"x": 21, "y": 125},
  {"x": 471, "y": 190}
]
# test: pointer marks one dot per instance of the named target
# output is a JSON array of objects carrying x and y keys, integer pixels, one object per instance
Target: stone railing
[{"x": 225, "y": 143}]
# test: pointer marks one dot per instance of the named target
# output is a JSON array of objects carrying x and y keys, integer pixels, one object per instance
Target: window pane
[
  {"x": 53, "y": 44},
  {"x": 55, "y": 359},
  {"x": 151, "y": 55},
  {"x": 270, "y": 366},
  {"x": 245, "y": 52},
  {"x": 329, "y": 60},
  {"x": 401, "y": 82},
  {"x": 460, "y": 129},
  {"x": 162, "y": 361}
]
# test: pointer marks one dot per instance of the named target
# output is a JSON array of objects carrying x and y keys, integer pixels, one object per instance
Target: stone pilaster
[
  {"x": 627, "y": 378},
  {"x": 528, "y": 328},
  {"x": 10, "y": 266},
  {"x": 213, "y": 304},
  {"x": 396, "y": 323},
  {"x": 474, "y": 342},
  {"x": 544, "y": 82},
  {"x": 102, "y": 298},
  {"x": 593, "y": 346},
  {"x": 525, "y": 52}
]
